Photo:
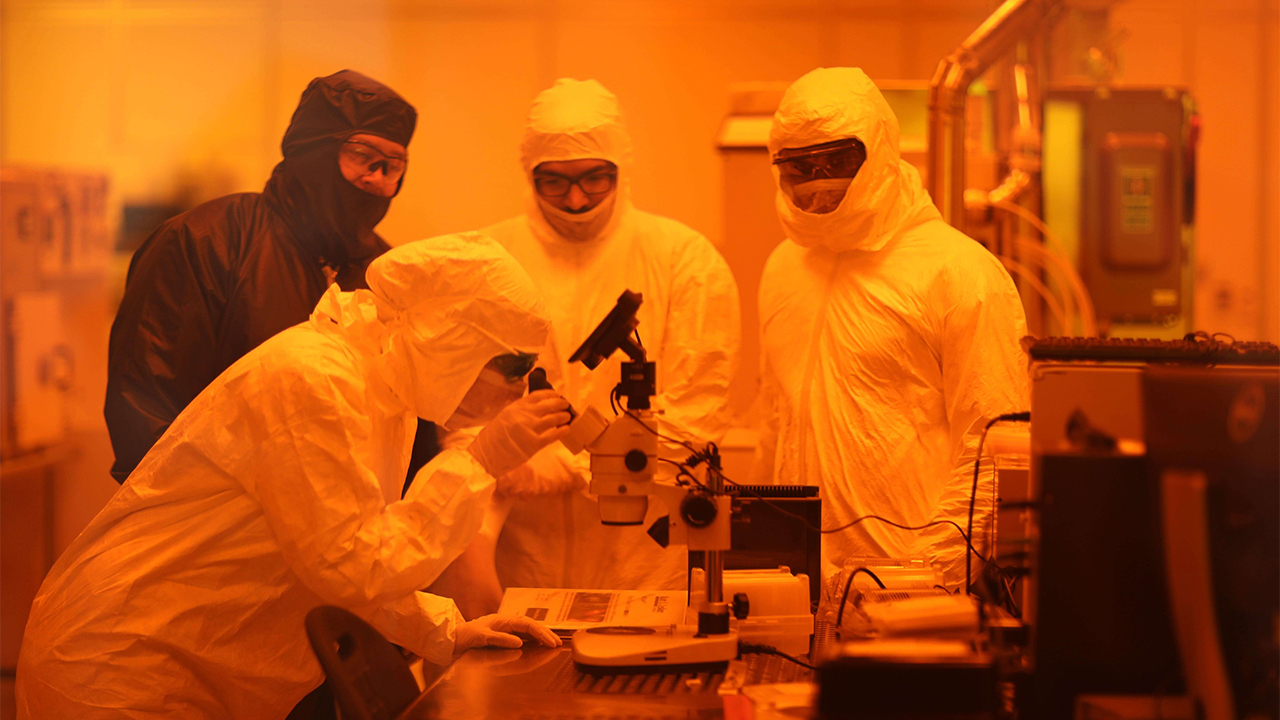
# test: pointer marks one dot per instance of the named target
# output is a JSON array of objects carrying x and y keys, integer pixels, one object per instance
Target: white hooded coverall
[
  {"x": 889, "y": 340},
  {"x": 689, "y": 324},
  {"x": 278, "y": 490}
]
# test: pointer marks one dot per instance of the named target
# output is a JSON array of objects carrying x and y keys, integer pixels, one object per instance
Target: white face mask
[
  {"x": 490, "y": 393},
  {"x": 579, "y": 227},
  {"x": 820, "y": 196}
]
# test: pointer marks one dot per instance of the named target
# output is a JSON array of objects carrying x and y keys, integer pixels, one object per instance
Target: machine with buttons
[{"x": 624, "y": 455}]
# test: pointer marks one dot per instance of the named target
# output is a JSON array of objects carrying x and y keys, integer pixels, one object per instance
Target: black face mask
[{"x": 323, "y": 209}]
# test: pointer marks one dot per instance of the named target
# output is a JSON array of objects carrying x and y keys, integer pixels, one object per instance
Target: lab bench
[{"x": 539, "y": 683}]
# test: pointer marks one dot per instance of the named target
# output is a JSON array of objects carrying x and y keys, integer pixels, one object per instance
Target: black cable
[
  {"x": 677, "y": 463},
  {"x": 844, "y": 597},
  {"x": 745, "y": 648},
  {"x": 973, "y": 493},
  {"x": 682, "y": 471},
  {"x": 642, "y": 424},
  {"x": 871, "y": 575},
  {"x": 805, "y": 521},
  {"x": 827, "y": 531}
]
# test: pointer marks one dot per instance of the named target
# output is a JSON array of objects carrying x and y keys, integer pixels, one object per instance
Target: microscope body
[{"x": 624, "y": 458}]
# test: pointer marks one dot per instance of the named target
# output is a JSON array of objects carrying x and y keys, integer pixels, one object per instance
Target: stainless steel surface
[
  {"x": 538, "y": 683},
  {"x": 544, "y": 684},
  {"x": 715, "y": 558},
  {"x": 948, "y": 91},
  {"x": 1136, "y": 227},
  {"x": 715, "y": 576}
]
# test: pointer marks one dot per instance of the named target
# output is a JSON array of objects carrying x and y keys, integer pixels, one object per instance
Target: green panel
[
  {"x": 911, "y": 105},
  {"x": 1061, "y": 179}
]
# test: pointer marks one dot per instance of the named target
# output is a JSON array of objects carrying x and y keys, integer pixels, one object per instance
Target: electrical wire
[
  {"x": 870, "y": 574},
  {"x": 701, "y": 455},
  {"x": 682, "y": 470},
  {"x": 973, "y": 493},
  {"x": 698, "y": 456},
  {"x": 1029, "y": 249},
  {"x": 844, "y": 596},
  {"x": 1088, "y": 315},
  {"x": 746, "y": 648},
  {"x": 677, "y": 441},
  {"x": 1055, "y": 307}
]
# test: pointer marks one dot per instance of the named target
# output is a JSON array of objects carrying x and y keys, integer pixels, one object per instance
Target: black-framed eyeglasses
[
  {"x": 514, "y": 366},
  {"x": 836, "y": 159},
  {"x": 593, "y": 182},
  {"x": 370, "y": 159}
]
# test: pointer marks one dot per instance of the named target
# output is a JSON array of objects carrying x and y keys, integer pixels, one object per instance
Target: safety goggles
[
  {"x": 369, "y": 159},
  {"x": 836, "y": 159},
  {"x": 514, "y": 366},
  {"x": 595, "y": 182}
]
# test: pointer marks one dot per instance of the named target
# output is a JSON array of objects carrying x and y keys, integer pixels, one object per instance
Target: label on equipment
[
  {"x": 1164, "y": 297},
  {"x": 1137, "y": 204}
]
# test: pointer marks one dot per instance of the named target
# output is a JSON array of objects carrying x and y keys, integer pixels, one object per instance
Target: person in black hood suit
[{"x": 211, "y": 284}]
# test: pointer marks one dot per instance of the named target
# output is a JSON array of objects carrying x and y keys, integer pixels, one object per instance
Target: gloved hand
[
  {"x": 552, "y": 470},
  {"x": 495, "y": 631},
  {"x": 522, "y": 428}
]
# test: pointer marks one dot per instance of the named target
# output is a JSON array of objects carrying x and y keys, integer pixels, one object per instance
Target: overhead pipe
[
  {"x": 1024, "y": 156},
  {"x": 949, "y": 89}
]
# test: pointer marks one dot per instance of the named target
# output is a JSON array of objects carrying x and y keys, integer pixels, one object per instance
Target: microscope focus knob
[
  {"x": 741, "y": 606},
  {"x": 698, "y": 510},
  {"x": 635, "y": 460}
]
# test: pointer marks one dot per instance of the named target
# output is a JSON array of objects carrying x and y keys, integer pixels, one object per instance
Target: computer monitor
[
  {"x": 1157, "y": 572},
  {"x": 1213, "y": 445}
]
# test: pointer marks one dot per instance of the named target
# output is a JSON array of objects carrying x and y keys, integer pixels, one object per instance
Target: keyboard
[{"x": 1197, "y": 351}]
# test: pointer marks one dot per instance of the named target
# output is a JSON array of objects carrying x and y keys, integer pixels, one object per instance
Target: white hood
[
  {"x": 448, "y": 305},
  {"x": 885, "y": 198},
  {"x": 576, "y": 120}
]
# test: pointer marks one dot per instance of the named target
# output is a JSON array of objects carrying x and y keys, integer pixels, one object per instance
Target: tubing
[
  {"x": 1055, "y": 307},
  {"x": 1088, "y": 316},
  {"x": 949, "y": 89}
]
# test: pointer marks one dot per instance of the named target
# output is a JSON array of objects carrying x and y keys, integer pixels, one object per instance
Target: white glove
[
  {"x": 552, "y": 470},
  {"x": 495, "y": 631},
  {"x": 522, "y": 428}
]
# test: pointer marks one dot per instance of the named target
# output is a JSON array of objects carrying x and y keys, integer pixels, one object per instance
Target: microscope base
[{"x": 640, "y": 646}]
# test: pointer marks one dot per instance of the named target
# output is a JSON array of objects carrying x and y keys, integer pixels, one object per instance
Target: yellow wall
[
  {"x": 196, "y": 93},
  {"x": 1226, "y": 53},
  {"x": 193, "y": 96}
]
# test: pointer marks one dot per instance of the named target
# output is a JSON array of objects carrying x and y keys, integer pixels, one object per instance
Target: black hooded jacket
[{"x": 212, "y": 283}]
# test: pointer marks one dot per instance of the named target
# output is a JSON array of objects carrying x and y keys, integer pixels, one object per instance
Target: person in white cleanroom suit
[
  {"x": 583, "y": 243},
  {"x": 278, "y": 490},
  {"x": 889, "y": 338}
]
